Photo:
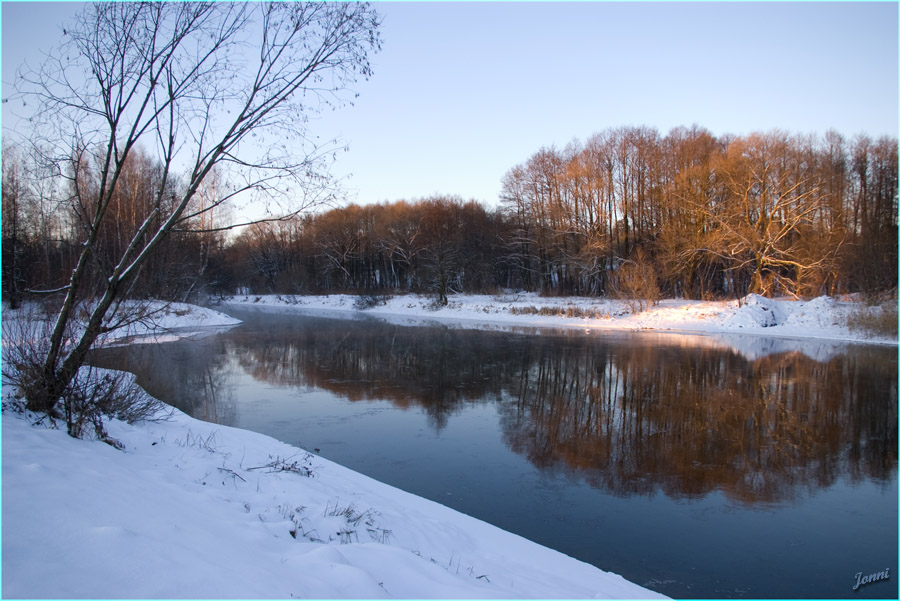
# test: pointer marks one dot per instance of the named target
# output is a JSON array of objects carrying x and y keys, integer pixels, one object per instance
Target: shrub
[
  {"x": 92, "y": 395},
  {"x": 368, "y": 300},
  {"x": 637, "y": 283}
]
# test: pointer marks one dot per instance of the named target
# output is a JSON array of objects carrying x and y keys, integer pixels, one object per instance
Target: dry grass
[
  {"x": 880, "y": 320},
  {"x": 570, "y": 311}
]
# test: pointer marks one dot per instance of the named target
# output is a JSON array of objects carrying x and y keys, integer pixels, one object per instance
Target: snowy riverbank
[
  {"x": 196, "y": 510},
  {"x": 822, "y": 318},
  {"x": 191, "y": 509}
]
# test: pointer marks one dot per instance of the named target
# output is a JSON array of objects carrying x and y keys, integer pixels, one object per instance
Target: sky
[{"x": 464, "y": 91}]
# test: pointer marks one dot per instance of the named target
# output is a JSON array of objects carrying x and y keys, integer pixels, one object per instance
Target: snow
[
  {"x": 196, "y": 510},
  {"x": 160, "y": 322},
  {"x": 821, "y": 318},
  {"x": 168, "y": 321}
]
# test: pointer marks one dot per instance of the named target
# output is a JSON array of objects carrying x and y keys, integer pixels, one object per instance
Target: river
[{"x": 690, "y": 466}]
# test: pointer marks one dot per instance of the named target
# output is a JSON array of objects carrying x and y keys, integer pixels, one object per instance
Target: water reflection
[
  {"x": 195, "y": 376},
  {"x": 631, "y": 415},
  {"x": 642, "y": 417}
]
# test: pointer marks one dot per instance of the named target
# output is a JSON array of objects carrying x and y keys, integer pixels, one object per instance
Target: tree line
[
  {"x": 697, "y": 216},
  {"x": 45, "y": 221},
  {"x": 627, "y": 212}
]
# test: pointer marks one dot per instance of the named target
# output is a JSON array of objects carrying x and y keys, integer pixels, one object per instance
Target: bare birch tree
[{"x": 202, "y": 88}]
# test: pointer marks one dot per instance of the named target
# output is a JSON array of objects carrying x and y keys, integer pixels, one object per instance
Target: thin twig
[{"x": 232, "y": 472}]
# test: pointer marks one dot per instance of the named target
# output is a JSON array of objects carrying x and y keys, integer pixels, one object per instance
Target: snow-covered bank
[
  {"x": 167, "y": 321},
  {"x": 179, "y": 317},
  {"x": 191, "y": 509},
  {"x": 148, "y": 321},
  {"x": 821, "y": 318},
  {"x": 196, "y": 510}
]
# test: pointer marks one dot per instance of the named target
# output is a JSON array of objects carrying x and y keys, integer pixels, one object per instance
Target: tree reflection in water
[
  {"x": 632, "y": 415},
  {"x": 193, "y": 376},
  {"x": 641, "y": 417}
]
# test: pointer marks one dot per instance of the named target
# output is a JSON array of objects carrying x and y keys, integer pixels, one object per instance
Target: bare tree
[
  {"x": 339, "y": 243},
  {"x": 198, "y": 87},
  {"x": 771, "y": 199},
  {"x": 441, "y": 233},
  {"x": 12, "y": 226},
  {"x": 399, "y": 240}
]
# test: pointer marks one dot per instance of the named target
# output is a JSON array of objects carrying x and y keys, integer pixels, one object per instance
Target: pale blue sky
[{"x": 462, "y": 92}]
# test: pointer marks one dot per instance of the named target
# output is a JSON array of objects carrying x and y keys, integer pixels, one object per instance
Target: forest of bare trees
[
  {"x": 627, "y": 212},
  {"x": 769, "y": 213}
]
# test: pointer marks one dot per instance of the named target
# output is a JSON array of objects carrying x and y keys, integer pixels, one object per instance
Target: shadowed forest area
[{"x": 627, "y": 213}]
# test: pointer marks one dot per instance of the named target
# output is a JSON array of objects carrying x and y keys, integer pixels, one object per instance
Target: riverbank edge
[
  {"x": 821, "y": 319},
  {"x": 107, "y": 515}
]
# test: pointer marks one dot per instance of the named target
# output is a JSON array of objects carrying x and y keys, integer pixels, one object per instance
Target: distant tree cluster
[
  {"x": 45, "y": 217},
  {"x": 439, "y": 245},
  {"x": 626, "y": 213},
  {"x": 702, "y": 216}
]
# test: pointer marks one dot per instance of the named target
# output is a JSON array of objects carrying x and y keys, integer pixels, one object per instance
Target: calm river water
[{"x": 684, "y": 465}]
